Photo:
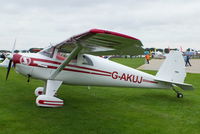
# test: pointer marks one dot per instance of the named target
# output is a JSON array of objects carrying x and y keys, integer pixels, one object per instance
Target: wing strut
[{"x": 66, "y": 62}]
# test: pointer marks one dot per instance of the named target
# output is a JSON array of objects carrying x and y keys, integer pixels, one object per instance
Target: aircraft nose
[{"x": 16, "y": 58}]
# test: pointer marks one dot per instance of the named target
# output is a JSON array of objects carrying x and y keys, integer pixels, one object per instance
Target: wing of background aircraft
[{"x": 98, "y": 42}]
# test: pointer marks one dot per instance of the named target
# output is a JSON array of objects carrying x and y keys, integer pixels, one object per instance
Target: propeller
[
  {"x": 8, "y": 70},
  {"x": 10, "y": 60}
]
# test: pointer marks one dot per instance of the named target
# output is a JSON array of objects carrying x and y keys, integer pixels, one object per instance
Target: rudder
[{"x": 173, "y": 68}]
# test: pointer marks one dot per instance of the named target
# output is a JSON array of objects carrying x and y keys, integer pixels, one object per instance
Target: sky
[{"x": 157, "y": 23}]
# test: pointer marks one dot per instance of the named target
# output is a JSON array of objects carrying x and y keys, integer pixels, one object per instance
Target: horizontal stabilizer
[{"x": 183, "y": 86}]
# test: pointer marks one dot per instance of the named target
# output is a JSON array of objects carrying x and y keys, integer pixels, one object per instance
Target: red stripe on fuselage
[
  {"x": 75, "y": 66},
  {"x": 73, "y": 70},
  {"x": 47, "y": 61},
  {"x": 144, "y": 80},
  {"x": 89, "y": 69},
  {"x": 79, "y": 71}
]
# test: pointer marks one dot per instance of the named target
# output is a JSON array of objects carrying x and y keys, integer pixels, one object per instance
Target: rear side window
[{"x": 87, "y": 61}]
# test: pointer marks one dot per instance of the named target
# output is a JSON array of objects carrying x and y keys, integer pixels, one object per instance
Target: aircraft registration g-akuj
[{"x": 73, "y": 62}]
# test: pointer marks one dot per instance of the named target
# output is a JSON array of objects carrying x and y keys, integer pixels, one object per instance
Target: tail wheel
[
  {"x": 179, "y": 95},
  {"x": 39, "y": 91}
]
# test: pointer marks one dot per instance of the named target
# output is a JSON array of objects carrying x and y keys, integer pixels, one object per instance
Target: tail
[
  {"x": 5, "y": 63},
  {"x": 172, "y": 71}
]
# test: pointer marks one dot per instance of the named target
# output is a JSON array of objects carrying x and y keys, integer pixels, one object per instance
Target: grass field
[{"x": 99, "y": 110}]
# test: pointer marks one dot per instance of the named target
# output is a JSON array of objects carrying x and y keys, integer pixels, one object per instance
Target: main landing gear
[
  {"x": 48, "y": 99},
  {"x": 179, "y": 95},
  {"x": 39, "y": 91}
]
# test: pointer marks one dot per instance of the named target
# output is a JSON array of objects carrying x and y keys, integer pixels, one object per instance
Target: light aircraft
[
  {"x": 73, "y": 61},
  {"x": 158, "y": 55},
  {"x": 5, "y": 63},
  {"x": 1, "y": 59}
]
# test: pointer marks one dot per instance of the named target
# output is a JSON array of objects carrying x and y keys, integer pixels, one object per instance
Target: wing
[
  {"x": 102, "y": 42},
  {"x": 98, "y": 42}
]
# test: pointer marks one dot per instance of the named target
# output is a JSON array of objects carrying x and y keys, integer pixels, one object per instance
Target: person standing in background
[
  {"x": 187, "y": 60},
  {"x": 147, "y": 57}
]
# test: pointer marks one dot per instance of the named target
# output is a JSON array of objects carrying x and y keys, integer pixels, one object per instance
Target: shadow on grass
[{"x": 159, "y": 99}]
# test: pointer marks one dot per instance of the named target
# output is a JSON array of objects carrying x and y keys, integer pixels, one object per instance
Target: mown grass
[
  {"x": 130, "y": 62},
  {"x": 99, "y": 110}
]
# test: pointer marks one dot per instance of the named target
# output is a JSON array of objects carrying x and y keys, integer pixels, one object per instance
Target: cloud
[{"x": 157, "y": 23}]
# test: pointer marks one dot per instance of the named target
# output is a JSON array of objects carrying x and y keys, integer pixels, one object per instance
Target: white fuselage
[{"x": 95, "y": 71}]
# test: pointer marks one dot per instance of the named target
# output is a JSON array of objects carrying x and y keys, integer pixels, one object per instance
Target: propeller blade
[
  {"x": 13, "y": 49},
  {"x": 11, "y": 61},
  {"x": 9, "y": 67}
]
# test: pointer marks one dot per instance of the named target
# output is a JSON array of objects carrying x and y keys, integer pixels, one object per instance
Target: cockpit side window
[
  {"x": 48, "y": 52},
  {"x": 61, "y": 53}
]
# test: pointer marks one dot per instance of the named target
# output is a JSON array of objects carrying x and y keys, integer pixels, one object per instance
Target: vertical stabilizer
[{"x": 173, "y": 68}]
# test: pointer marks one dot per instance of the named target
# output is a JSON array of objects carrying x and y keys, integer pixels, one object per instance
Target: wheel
[
  {"x": 39, "y": 91},
  {"x": 179, "y": 95}
]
